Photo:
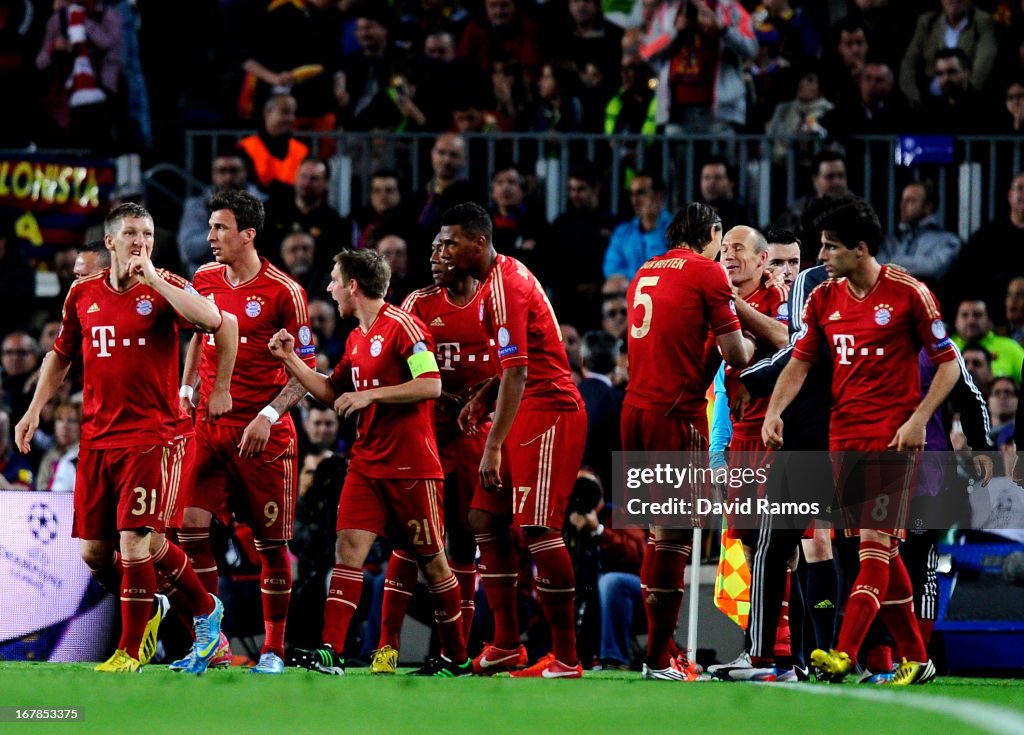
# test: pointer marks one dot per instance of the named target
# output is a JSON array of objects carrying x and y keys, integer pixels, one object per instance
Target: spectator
[
  {"x": 320, "y": 427},
  {"x": 386, "y": 214},
  {"x": 828, "y": 178},
  {"x": 799, "y": 117},
  {"x": 702, "y": 88},
  {"x": 81, "y": 51},
  {"x": 558, "y": 108},
  {"x": 633, "y": 110},
  {"x": 600, "y": 352},
  {"x": 19, "y": 358},
  {"x": 592, "y": 39},
  {"x": 518, "y": 225},
  {"x": 614, "y": 317},
  {"x": 959, "y": 108},
  {"x": 878, "y": 108},
  {"x": 15, "y": 471},
  {"x": 575, "y": 250},
  {"x": 67, "y": 430},
  {"x": 305, "y": 209},
  {"x": 1002, "y": 408},
  {"x": 504, "y": 33},
  {"x": 17, "y": 279},
  {"x": 978, "y": 362},
  {"x": 798, "y": 39},
  {"x": 396, "y": 252},
  {"x": 513, "y": 98},
  {"x": 643, "y": 237},
  {"x": 228, "y": 171},
  {"x": 1013, "y": 121},
  {"x": 920, "y": 244},
  {"x": 446, "y": 188},
  {"x": 888, "y": 25},
  {"x": 770, "y": 77},
  {"x": 573, "y": 347},
  {"x": 92, "y": 258},
  {"x": 274, "y": 153},
  {"x": 973, "y": 326},
  {"x": 718, "y": 191},
  {"x": 958, "y": 24},
  {"x": 323, "y": 320},
  {"x": 17, "y": 82},
  {"x": 1000, "y": 241},
  {"x": 1014, "y": 303},
  {"x": 298, "y": 260},
  {"x": 444, "y": 78},
  {"x": 842, "y": 66}
]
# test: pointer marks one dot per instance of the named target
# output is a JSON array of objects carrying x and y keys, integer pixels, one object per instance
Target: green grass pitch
[{"x": 234, "y": 701}]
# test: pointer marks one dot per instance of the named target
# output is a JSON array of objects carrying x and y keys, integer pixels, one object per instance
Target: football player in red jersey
[
  {"x": 389, "y": 378},
  {"x": 541, "y": 423},
  {"x": 450, "y": 310},
  {"x": 676, "y": 301},
  {"x": 875, "y": 320},
  {"x": 246, "y": 460},
  {"x": 122, "y": 322}
]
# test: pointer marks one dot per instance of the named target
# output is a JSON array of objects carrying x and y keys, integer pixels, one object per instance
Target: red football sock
[
  {"x": 664, "y": 597},
  {"x": 499, "y": 573},
  {"x": 342, "y": 602},
  {"x": 898, "y": 609},
  {"x": 556, "y": 587},
  {"x": 448, "y": 617},
  {"x": 275, "y": 592},
  {"x": 466, "y": 574},
  {"x": 171, "y": 562},
  {"x": 196, "y": 543},
  {"x": 879, "y": 659},
  {"x": 865, "y": 598},
  {"x": 399, "y": 584},
  {"x": 137, "y": 584},
  {"x": 646, "y": 565},
  {"x": 783, "y": 640},
  {"x": 925, "y": 627}
]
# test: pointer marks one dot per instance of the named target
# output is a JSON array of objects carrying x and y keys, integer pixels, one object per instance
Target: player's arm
[
  {"x": 190, "y": 375},
  {"x": 911, "y": 436},
  {"x": 736, "y": 349},
  {"x": 305, "y": 378},
  {"x": 424, "y": 386},
  {"x": 51, "y": 375},
  {"x": 510, "y": 395},
  {"x": 789, "y": 384},
  {"x": 481, "y": 398},
  {"x": 226, "y": 344},
  {"x": 763, "y": 327},
  {"x": 201, "y": 312}
]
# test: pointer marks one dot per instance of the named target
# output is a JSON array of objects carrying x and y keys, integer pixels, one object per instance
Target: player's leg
[
  {"x": 897, "y": 612},
  {"x": 822, "y": 586},
  {"x": 138, "y": 583},
  {"x": 203, "y": 494},
  {"x": 460, "y": 487},
  {"x": 399, "y": 585}
]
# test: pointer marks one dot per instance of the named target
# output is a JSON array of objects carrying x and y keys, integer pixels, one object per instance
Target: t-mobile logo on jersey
[
  {"x": 845, "y": 349},
  {"x": 447, "y": 353},
  {"x": 103, "y": 337}
]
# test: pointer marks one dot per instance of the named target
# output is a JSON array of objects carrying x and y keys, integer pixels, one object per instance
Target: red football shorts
[
  {"x": 405, "y": 511},
  {"x": 183, "y": 455},
  {"x": 120, "y": 489},
  {"x": 544, "y": 451},
  {"x": 460, "y": 459},
  {"x": 874, "y": 485},
  {"x": 260, "y": 490},
  {"x": 745, "y": 452}
]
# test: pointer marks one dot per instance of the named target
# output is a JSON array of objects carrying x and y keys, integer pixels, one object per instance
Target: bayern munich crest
[
  {"x": 144, "y": 306},
  {"x": 253, "y": 308},
  {"x": 882, "y": 316},
  {"x": 376, "y": 345}
]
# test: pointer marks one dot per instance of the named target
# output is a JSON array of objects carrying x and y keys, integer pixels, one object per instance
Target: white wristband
[
  {"x": 186, "y": 391},
  {"x": 270, "y": 413}
]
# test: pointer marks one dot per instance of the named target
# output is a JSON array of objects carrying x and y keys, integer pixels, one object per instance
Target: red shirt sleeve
[
  {"x": 178, "y": 282},
  {"x": 719, "y": 299},
  {"x": 508, "y": 309},
  {"x": 808, "y": 343},
  {"x": 295, "y": 314},
  {"x": 931, "y": 330},
  {"x": 415, "y": 338},
  {"x": 69, "y": 340},
  {"x": 341, "y": 377}
]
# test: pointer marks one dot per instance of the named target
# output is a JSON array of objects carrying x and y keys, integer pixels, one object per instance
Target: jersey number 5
[{"x": 643, "y": 301}]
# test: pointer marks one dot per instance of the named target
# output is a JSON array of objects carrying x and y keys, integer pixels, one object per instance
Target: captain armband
[{"x": 421, "y": 361}]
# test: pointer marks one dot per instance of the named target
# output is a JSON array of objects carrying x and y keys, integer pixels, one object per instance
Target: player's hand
[
  {"x": 983, "y": 468},
  {"x": 350, "y": 403},
  {"x": 584, "y": 521},
  {"x": 771, "y": 432},
  {"x": 142, "y": 266},
  {"x": 187, "y": 407},
  {"x": 24, "y": 432},
  {"x": 909, "y": 437},
  {"x": 447, "y": 406},
  {"x": 490, "y": 468},
  {"x": 472, "y": 415},
  {"x": 281, "y": 344},
  {"x": 738, "y": 403},
  {"x": 218, "y": 404},
  {"x": 255, "y": 437}
]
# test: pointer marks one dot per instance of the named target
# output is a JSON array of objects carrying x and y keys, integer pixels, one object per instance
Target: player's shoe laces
[
  {"x": 269, "y": 663},
  {"x": 493, "y": 659},
  {"x": 207, "y": 629},
  {"x": 120, "y": 662},
  {"x": 832, "y": 665},
  {"x": 549, "y": 667},
  {"x": 444, "y": 667},
  {"x": 324, "y": 659},
  {"x": 147, "y": 648},
  {"x": 913, "y": 672},
  {"x": 384, "y": 661}
]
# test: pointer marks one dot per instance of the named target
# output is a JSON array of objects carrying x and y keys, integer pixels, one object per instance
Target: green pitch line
[{"x": 234, "y": 701}]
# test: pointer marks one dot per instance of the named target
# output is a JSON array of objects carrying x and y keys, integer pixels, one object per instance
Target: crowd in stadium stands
[{"x": 114, "y": 76}]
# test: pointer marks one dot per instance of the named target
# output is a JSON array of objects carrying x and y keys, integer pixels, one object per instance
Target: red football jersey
[
  {"x": 518, "y": 317},
  {"x": 875, "y": 341},
  {"x": 264, "y": 304},
  {"x": 393, "y": 440},
  {"x": 770, "y": 300},
  {"x": 674, "y": 300},
  {"x": 128, "y": 342}
]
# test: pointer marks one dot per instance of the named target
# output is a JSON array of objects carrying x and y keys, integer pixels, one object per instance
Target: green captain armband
[{"x": 421, "y": 361}]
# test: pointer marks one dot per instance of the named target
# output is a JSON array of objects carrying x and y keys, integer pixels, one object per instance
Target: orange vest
[{"x": 269, "y": 169}]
